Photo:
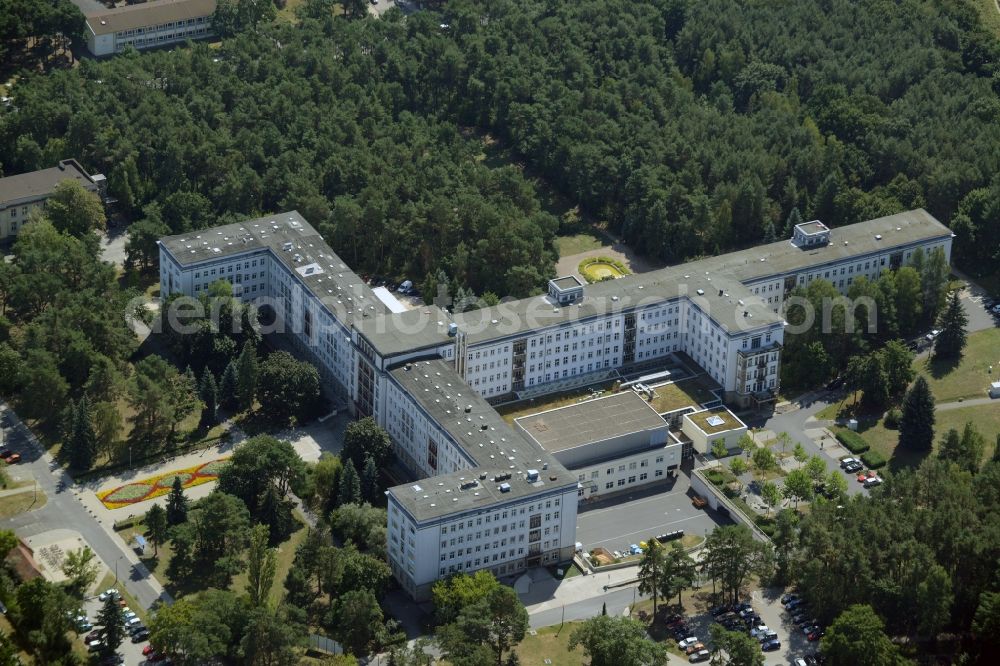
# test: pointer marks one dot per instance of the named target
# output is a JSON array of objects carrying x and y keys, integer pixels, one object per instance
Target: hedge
[
  {"x": 873, "y": 459},
  {"x": 854, "y": 442}
]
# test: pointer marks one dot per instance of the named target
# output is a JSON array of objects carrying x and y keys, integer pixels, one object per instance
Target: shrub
[
  {"x": 873, "y": 459},
  {"x": 715, "y": 476},
  {"x": 854, "y": 442},
  {"x": 892, "y": 418},
  {"x": 766, "y": 524}
]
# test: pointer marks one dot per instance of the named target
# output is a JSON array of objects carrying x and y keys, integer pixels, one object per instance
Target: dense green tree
[
  {"x": 83, "y": 443},
  {"x": 798, "y": 486},
  {"x": 451, "y": 595},
  {"x": 349, "y": 490},
  {"x": 859, "y": 625},
  {"x": 741, "y": 649},
  {"x": 951, "y": 340},
  {"x": 201, "y": 628},
  {"x": 732, "y": 555},
  {"x": 273, "y": 637},
  {"x": 616, "y": 641},
  {"x": 157, "y": 527},
  {"x": 177, "y": 503},
  {"x": 497, "y": 622},
  {"x": 916, "y": 427},
  {"x": 358, "y": 621},
  {"x": 112, "y": 626},
  {"x": 247, "y": 372},
  {"x": 371, "y": 488},
  {"x": 261, "y": 564},
  {"x": 361, "y": 524},
  {"x": 141, "y": 248},
  {"x": 966, "y": 450},
  {"x": 679, "y": 572},
  {"x": 652, "y": 570},
  {"x": 366, "y": 439},
  {"x": 75, "y": 211},
  {"x": 287, "y": 388},
  {"x": 220, "y": 527},
  {"x": 227, "y": 387},
  {"x": 161, "y": 398},
  {"x": 80, "y": 567},
  {"x": 208, "y": 392}
]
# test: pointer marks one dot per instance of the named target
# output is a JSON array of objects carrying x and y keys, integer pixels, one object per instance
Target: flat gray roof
[
  {"x": 297, "y": 246},
  {"x": 398, "y": 333},
  {"x": 726, "y": 273},
  {"x": 591, "y": 421},
  {"x": 567, "y": 282},
  {"x": 485, "y": 437},
  {"x": 811, "y": 227},
  {"x": 39, "y": 184}
]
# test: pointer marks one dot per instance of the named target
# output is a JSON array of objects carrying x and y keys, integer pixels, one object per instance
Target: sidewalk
[{"x": 546, "y": 593}]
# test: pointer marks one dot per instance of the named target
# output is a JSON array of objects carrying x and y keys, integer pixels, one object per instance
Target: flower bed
[{"x": 155, "y": 486}]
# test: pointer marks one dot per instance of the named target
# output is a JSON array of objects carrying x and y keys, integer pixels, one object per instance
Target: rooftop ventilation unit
[
  {"x": 878, "y": 236},
  {"x": 700, "y": 292},
  {"x": 532, "y": 475},
  {"x": 504, "y": 487}
]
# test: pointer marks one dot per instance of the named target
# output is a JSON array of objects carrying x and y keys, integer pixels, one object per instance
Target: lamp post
[{"x": 120, "y": 557}]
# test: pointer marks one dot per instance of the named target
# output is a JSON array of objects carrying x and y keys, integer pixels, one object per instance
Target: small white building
[
  {"x": 146, "y": 25},
  {"x": 708, "y": 426}
]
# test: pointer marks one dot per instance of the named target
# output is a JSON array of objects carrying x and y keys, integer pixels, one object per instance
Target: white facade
[
  {"x": 360, "y": 350},
  {"x": 629, "y": 471},
  {"x": 503, "y": 538}
]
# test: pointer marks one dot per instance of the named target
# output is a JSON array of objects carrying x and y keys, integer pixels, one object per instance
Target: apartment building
[
  {"x": 145, "y": 25},
  {"x": 490, "y": 496},
  {"x": 22, "y": 193}
]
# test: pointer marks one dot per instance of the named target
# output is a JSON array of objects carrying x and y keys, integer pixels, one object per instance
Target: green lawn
[
  {"x": 12, "y": 505},
  {"x": 986, "y": 419},
  {"x": 970, "y": 377},
  {"x": 577, "y": 243},
  {"x": 550, "y": 643}
]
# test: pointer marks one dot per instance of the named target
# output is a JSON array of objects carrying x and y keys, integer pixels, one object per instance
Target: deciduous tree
[{"x": 616, "y": 641}]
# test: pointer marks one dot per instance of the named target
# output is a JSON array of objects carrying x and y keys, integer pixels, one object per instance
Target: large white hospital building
[{"x": 489, "y": 495}]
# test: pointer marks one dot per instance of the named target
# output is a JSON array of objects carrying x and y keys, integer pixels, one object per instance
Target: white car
[
  {"x": 933, "y": 334},
  {"x": 760, "y": 630},
  {"x": 110, "y": 592},
  {"x": 132, "y": 621},
  {"x": 996, "y": 309},
  {"x": 690, "y": 640}
]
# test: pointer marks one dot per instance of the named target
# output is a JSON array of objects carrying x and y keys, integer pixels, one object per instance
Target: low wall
[{"x": 715, "y": 498}]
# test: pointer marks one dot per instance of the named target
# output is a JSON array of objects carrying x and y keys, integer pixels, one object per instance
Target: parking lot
[
  {"x": 617, "y": 522},
  {"x": 766, "y": 606},
  {"x": 132, "y": 652}
]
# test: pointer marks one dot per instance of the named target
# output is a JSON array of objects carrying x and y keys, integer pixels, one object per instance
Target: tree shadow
[{"x": 941, "y": 367}]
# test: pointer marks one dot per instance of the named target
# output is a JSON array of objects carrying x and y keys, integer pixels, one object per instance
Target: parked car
[
  {"x": 690, "y": 640},
  {"x": 769, "y": 636},
  {"x": 771, "y": 646},
  {"x": 141, "y": 635},
  {"x": 792, "y": 596},
  {"x": 94, "y": 636},
  {"x": 809, "y": 628},
  {"x": 844, "y": 462},
  {"x": 94, "y": 646},
  {"x": 759, "y": 630},
  {"x": 133, "y": 621},
  {"x": 697, "y": 647},
  {"x": 10, "y": 457},
  {"x": 805, "y": 621},
  {"x": 701, "y": 655},
  {"x": 815, "y": 635},
  {"x": 793, "y": 604},
  {"x": 872, "y": 482},
  {"x": 132, "y": 629},
  {"x": 854, "y": 467},
  {"x": 719, "y": 610},
  {"x": 148, "y": 650},
  {"x": 933, "y": 334},
  {"x": 110, "y": 592}
]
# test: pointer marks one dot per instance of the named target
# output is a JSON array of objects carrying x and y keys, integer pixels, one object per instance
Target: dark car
[
  {"x": 788, "y": 597},
  {"x": 140, "y": 636},
  {"x": 771, "y": 646},
  {"x": 136, "y": 628},
  {"x": 835, "y": 384},
  {"x": 719, "y": 610},
  {"x": 815, "y": 635}
]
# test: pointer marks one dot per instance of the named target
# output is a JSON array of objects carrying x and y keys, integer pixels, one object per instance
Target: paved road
[
  {"x": 113, "y": 246},
  {"x": 621, "y": 521},
  {"x": 617, "y": 601},
  {"x": 64, "y": 510}
]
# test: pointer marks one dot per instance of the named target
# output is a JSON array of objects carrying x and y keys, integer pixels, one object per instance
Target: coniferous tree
[
  {"x": 951, "y": 340},
  {"x": 916, "y": 427},
  {"x": 794, "y": 217},
  {"x": 113, "y": 623},
  {"x": 770, "y": 235},
  {"x": 246, "y": 377},
  {"x": 177, "y": 503},
  {"x": 369, "y": 482},
  {"x": 349, "y": 491},
  {"x": 84, "y": 441},
  {"x": 227, "y": 387},
  {"x": 157, "y": 527},
  {"x": 208, "y": 392}
]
